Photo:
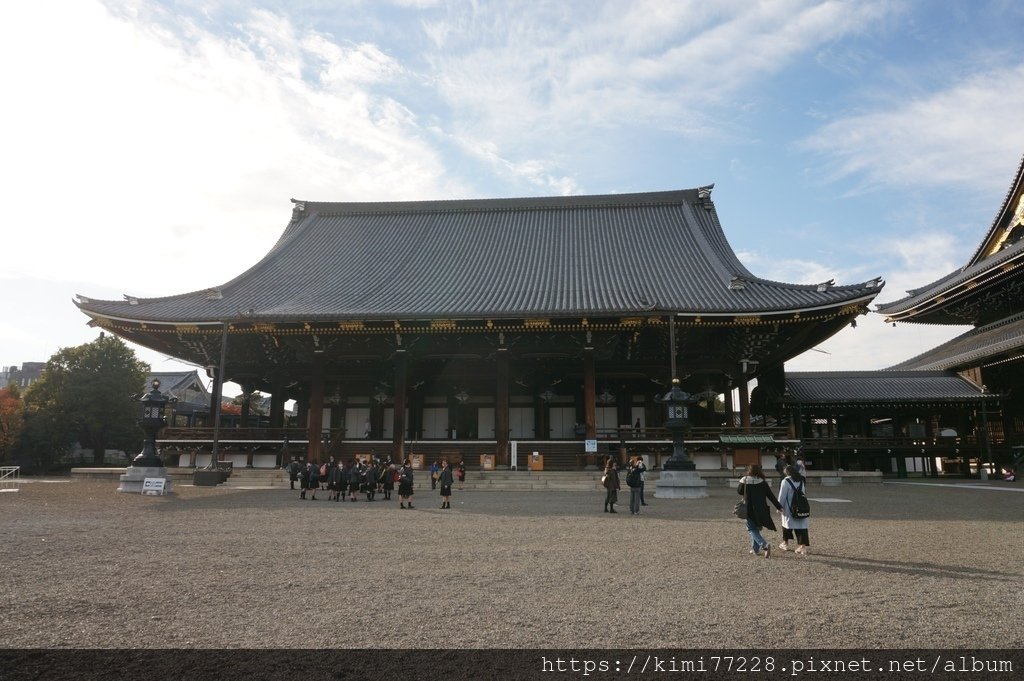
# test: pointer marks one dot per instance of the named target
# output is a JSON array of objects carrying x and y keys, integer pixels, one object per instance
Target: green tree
[
  {"x": 86, "y": 393},
  {"x": 12, "y": 420}
]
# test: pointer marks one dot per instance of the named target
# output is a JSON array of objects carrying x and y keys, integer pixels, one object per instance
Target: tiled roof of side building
[
  {"x": 994, "y": 341},
  {"x": 580, "y": 255},
  {"x": 853, "y": 387}
]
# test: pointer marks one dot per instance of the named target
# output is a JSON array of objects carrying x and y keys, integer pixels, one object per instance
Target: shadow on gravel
[{"x": 915, "y": 569}]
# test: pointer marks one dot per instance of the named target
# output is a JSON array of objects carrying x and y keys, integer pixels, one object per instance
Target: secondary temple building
[
  {"x": 956, "y": 408},
  {"x": 494, "y": 327}
]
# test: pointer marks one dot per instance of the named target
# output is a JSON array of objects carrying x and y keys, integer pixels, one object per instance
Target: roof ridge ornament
[
  {"x": 298, "y": 209},
  {"x": 704, "y": 196},
  {"x": 737, "y": 284}
]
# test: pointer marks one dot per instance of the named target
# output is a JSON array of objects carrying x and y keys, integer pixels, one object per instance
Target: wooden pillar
[
  {"x": 501, "y": 407},
  {"x": 316, "y": 412},
  {"x": 245, "y": 408},
  {"x": 589, "y": 393},
  {"x": 539, "y": 414},
  {"x": 278, "y": 396},
  {"x": 214, "y": 398},
  {"x": 376, "y": 419},
  {"x": 730, "y": 410},
  {"x": 301, "y": 409},
  {"x": 744, "y": 404},
  {"x": 398, "y": 422}
]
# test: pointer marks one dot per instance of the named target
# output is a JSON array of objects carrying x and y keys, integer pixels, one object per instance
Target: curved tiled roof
[
  {"x": 977, "y": 265},
  {"x": 1012, "y": 255},
  {"x": 580, "y": 255},
  {"x": 868, "y": 387},
  {"x": 1000, "y": 340}
]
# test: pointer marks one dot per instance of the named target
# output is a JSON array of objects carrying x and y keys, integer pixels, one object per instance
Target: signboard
[
  {"x": 591, "y": 446},
  {"x": 417, "y": 461},
  {"x": 153, "y": 486},
  {"x": 487, "y": 462}
]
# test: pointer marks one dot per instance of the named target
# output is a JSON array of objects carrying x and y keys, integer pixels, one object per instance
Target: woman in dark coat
[
  {"x": 371, "y": 481},
  {"x": 335, "y": 481},
  {"x": 304, "y": 479},
  {"x": 389, "y": 480},
  {"x": 445, "y": 478},
  {"x": 611, "y": 484},
  {"x": 757, "y": 493},
  {"x": 314, "y": 480},
  {"x": 355, "y": 479},
  {"x": 405, "y": 484},
  {"x": 460, "y": 473}
]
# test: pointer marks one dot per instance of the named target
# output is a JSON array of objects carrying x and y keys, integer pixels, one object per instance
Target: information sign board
[{"x": 153, "y": 486}]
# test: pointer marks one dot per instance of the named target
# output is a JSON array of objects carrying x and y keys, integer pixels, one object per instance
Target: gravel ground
[{"x": 898, "y": 566}]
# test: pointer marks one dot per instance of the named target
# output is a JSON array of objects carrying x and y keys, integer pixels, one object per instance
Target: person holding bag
[
  {"x": 792, "y": 486},
  {"x": 756, "y": 492},
  {"x": 610, "y": 480}
]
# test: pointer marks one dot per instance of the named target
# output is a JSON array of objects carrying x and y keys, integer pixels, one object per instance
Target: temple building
[
  {"x": 954, "y": 408},
  {"x": 494, "y": 327}
]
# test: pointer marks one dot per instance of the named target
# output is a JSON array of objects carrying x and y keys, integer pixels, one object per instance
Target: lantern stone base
[
  {"x": 134, "y": 476},
  {"x": 680, "y": 485}
]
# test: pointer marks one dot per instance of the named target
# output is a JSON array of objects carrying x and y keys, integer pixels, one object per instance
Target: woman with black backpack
[{"x": 792, "y": 497}]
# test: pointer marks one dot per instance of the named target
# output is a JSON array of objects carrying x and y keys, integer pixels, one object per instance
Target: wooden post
[
  {"x": 730, "y": 409},
  {"x": 589, "y": 393},
  {"x": 316, "y": 412},
  {"x": 501, "y": 407},
  {"x": 278, "y": 396},
  {"x": 398, "y": 422}
]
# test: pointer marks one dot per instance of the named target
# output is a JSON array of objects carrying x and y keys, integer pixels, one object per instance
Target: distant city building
[{"x": 29, "y": 373}]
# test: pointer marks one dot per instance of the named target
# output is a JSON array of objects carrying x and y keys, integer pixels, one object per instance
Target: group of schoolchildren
[{"x": 344, "y": 482}]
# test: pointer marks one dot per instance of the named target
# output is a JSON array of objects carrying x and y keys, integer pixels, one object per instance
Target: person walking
[
  {"x": 405, "y": 484},
  {"x": 780, "y": 466},
  {"x": 304, "y": 480},
  {"x": 314, "y": 480},
  {"x": 756, "y": 491},
  {"x": 634, "y": 482},
  {"x": 643, "y": 478},
  {"x": 445, "y": 479},
  {"x": 390, "y": 477},
  {"x": 610, "y": 479},
  {"x": 792, "y": 526},
  {"x": 294, "y": 468},
  {"x": 435, "y": 472},
  {"x": 460, "y": 473},
  {"x": 335, "y": 482},
  {"x": 355, "y": 479},
  {"x": 371, "y": 481}
]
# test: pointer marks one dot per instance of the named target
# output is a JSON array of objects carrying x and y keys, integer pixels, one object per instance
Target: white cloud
[
  {"x": 942, "y": 138},
  {"x": 543, "y": 83},
  {"x": 148, "y": 153}
]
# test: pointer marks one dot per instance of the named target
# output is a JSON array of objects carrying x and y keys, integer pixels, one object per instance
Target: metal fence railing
[{"x": 9, "y": 478}]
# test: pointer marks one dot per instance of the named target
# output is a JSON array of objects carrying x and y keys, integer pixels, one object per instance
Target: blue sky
[{"x": 152, "y": 148}]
